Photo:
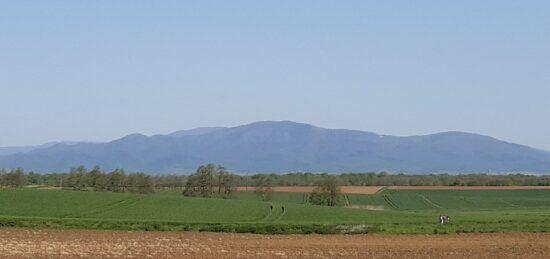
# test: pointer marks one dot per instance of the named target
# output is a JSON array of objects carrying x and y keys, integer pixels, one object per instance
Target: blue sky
[{"x": 98, "y": 70}]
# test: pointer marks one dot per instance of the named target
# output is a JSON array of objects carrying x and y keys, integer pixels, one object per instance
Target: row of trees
[
  {"x": 81, "y": 179},
  {"x": 118, "y": 180},
  {"x": 13, "y": 178},
  {"x": 386, "y": 179},
  {"x": 210, "y": 181},
  {"x": 327, "y": 191}
]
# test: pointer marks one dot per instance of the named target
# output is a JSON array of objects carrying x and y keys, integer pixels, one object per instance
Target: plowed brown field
[
  {"x": 375, "y": 189},
  {"x": 344, "y": 189},
  {"x": 29, "y": 243}
]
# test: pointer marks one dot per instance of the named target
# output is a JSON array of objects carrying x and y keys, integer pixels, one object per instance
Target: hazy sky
[{"x": 99, "y": 70}]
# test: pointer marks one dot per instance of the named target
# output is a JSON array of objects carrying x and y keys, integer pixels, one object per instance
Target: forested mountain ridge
[{"x": 289, "y": 146}]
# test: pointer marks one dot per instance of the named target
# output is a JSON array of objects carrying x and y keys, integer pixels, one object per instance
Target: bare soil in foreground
[{"x": 32, "y": 243}]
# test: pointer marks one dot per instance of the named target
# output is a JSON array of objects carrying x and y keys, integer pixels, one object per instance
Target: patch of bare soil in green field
[{"x": 31, "y": 243}]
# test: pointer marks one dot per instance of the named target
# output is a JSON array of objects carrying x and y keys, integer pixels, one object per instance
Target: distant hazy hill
[
  {"x": 23, "y": 149},
  {"x": 289, "y": 146},
  {"x": 195, "y": 132}
]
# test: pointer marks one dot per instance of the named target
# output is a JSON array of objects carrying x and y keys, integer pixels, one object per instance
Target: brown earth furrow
[{"x": 29, "y": 243}]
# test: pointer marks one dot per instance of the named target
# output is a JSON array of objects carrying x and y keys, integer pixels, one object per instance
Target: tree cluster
[
  {"x": 210, "y": 181},
  {"x": 117, "y": 180},
  {"x": 326, "y": 193},
  {"x": 169, "y": 182},
  {"x": 82, "y": 180},
  {"x": 264, "y": 188},
  {"x": 13, "y": 178},
  {"x": 386, "y": 179}
]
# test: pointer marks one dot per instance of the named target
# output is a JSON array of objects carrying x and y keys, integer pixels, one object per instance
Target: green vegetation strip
[
  {"x": 255, "y": 228},
  {"x": 405, "y": 212},
  {"x": 274, "y": 228}
]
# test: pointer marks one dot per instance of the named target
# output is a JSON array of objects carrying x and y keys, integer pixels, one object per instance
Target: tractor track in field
[
  {"x": 109, "y": 207},
  {"x": 275, "y": 213},
  {"x": 346, "y": 199},
  {"x": 268, "y": 214},
  {"x": 429, "y": 202},
  {"x": 509, "y": 203},
  {"x": 389, "y": 201}
]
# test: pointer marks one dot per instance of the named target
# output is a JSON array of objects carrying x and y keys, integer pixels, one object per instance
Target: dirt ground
[
  {"x": 31, "y": 243},
  {"x": 344, "y": 189},
  {"x": 375, "y": 189}
]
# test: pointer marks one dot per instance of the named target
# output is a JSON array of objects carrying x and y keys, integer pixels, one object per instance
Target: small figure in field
[
  {"x": 444, "y": 219},
  {"x": 283, "y": 208},
  {"x": 271, "y": 207}
]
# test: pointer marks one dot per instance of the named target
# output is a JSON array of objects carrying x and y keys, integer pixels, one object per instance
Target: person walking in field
[{"x": 443, "y": 219}]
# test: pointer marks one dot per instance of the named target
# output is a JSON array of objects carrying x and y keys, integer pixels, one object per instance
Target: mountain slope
[
  {"x": 22, "y": 149},
  {"x": 196, "y": 131},
  {"x": 289, "y": 146}
]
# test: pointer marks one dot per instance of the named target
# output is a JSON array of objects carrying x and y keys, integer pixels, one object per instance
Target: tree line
[
  {"x": 387, "y": 179},
  {"x": 210, "y": 181},
  {"x": 79, "y": 178}
]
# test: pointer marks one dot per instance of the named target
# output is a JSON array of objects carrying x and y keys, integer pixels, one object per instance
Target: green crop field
[
  {"x": 405, "y": 211},
  {"x": 283, "y": 197},
  {"x": 452, "y": 199}
]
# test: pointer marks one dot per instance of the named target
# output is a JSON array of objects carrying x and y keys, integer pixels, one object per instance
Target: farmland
[
  {"x": 25, "y": 243},
  {"x": 304, "y": 189},
  {"x": 398, "y": 211}
]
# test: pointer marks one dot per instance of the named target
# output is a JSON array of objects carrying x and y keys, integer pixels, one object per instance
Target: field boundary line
[{"x": 381, "y": 189}]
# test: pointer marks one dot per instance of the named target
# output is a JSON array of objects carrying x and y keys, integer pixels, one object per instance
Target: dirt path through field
[{"x": 29, "y": 243}]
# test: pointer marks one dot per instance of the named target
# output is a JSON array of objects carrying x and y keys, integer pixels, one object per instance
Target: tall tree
[
  {"x": 326, "y": 193},
  {"x": 210, "y": 180},
  {"x": 264, "y": 188},
  {"x": 117, "y": 180},
  {"x": 97, "y": 179},
  {"x": 15, "y": 178}
]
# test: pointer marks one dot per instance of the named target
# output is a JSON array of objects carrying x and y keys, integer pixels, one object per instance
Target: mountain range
[{"x": 285, "y": 146}]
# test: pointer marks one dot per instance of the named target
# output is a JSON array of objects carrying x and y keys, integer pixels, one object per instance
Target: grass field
[{"x": 405, "y": 211}]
